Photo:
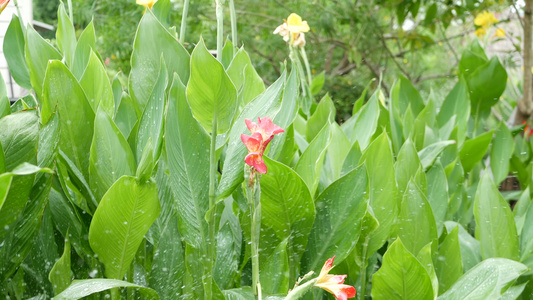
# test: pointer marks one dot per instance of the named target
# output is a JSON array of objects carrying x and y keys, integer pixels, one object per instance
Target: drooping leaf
[{"x": 83, "y": 288}]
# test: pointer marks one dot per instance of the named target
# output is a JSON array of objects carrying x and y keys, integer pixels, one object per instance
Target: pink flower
[
  {"x": 334, "y": 283},
  {"x": 3, "y": 4},
  {"x": 262, "y": 133}
]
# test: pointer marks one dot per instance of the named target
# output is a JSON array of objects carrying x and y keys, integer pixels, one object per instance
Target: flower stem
[
  {"x": 363, "y": 268},
  {"x": 253, "y": 194},
  {"x": 183, "y": 27},
  {"x": 306, "y": 63},
  {"x": 299, "y": 291},
  {"x": 220, "y": 28},
  {"x": 208, "y": 278},
  {"x": 307, "y": 98},
  {"x": 70, "y": 14},
  {"x": 233, "y": 17}
]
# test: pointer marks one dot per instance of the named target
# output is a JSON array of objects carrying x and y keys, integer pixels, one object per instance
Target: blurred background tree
[{"x": 351, "y": 41}]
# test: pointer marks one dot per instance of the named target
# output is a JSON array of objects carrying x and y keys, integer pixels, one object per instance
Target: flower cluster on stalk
[
  {"x": 483, "y": 21},
  {"x": 262, "y": 133},
  {"x": 292, "y": 30}
]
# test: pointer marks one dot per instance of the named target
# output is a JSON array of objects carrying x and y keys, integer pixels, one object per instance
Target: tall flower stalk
[
  {"x": 183, "y": 26},
  {"x": 262, "y": 133}
]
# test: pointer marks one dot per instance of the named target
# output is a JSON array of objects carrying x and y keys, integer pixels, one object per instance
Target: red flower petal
[
  {"x": 253, "y": 143},
  {"x": 256, "y": 160}
]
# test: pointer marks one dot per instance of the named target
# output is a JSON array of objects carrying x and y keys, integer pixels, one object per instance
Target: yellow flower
[
  {"x": 292, "y": 30},
  {"x": 480, "y": 32},
  {"x": 485, "y": 19},
  {"x": 500, "y": 32},
  {"x": 146, "y": 3},
  {"x": 296, "y": 24}
]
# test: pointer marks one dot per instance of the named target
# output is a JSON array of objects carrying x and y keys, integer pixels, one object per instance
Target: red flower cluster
[
  {"x": 528, "y": 131},
  {"x": 334, "y": 283},
  {"x": 262, "y": 134}
]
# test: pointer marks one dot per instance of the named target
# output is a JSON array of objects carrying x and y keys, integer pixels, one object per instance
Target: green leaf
[
  {"x": 401, "y": 276},
  {"x": 19, "y": 138},
  {"x": 75, "y": 114},
  {"x": 161, "y": 10},
  {"x": 244, "y": 293},
  {"x": 96, "y": 86},
  {"x": 352, "y": 159},
  {"x": 188, "y": 165},
  {"x": 455, "y": 104},
  {"x": 324, "y": 113},
  {"x": 5, "y": 108},
  {"x": 14, "y": 44},
  {"x": 152, "y": 41},
  {"x": 487, "y": 280},
  {"x": 317, "y": 84},
  {"x": 266, "y": 104},
  {"x": 496, "y": 229},
  {"x": 470, "y": 247},
  {"x": 274, "y": 273},
  {"x": 340, "y": 210},
  {"x": 83, "y": 288},
  {"x": 310, "y": 163},
  {"x": 111, "y": 156},
  {"x": 287, "y": 209},
  {"x": 65, "y": 35},
  {"x": 227, "y": 54},
  {"x": 246, "y": 80},
  {"x": 146, "y": 163},
  {"x": 403, "y": 95},
  {"x": 120, "y": 222},
  {"x": 61, "y": 275},
  {"x": 416, "y": 224},
  {"x": 431, "y": 152},
  {"x": 336, "y": 153},
  {"x": 501, "y": 152},
  {"x": 383, "y": 191},
  {"x": 526, "y": 236},
  {"x": 366, "y": 123},
  {"x": 116, "y": 88},
  {"x": 210, "y": 92},
  {"x": 126, "y": 116},
  {"x": 86, "y": 44},
  {"x": 437, "y": 193},
  {"x": 38, "y": 52},
  {"x": 168, "y": 269},
  {"x": 473, "y": 150},
  {"x": 486, "y": 84},
  {"x": 426, "y": 118},
  {"x": 406, "y": 167},
  {"x": 448, "y": 263},
  {"x": 151, "y": 122}
]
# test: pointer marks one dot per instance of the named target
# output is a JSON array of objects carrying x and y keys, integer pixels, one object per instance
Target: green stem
[
  {"x": 208, "y": 278},
  {"x": 306, "y": 105},
  {"x": 70, "y": 14},
  {"x": 233, "y": 17},
  {"x": 299, "y": 291},
  {"x": 183, "y": 26},
  {"x": 19, "y": 13},
  {"x": 363, "y": 269},
  {"x": 253, "y": 193},
  {"x": 306, "y": 63},
  {"x": 130, "y": 279},
  {"x": 220, "y": 28}
]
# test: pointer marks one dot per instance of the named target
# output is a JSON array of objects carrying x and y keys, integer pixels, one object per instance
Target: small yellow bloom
[
  {"x": 485, "y": 19},
  {"x": 480, "y": 32},
  {"x": 147, "y": 3},
  {"x": 113, "y": 56},
  {"x": 440, "y": 44},
  {"x": 404, "y": 61},
  {"x": 500, "y": 32},
  {"x": 296, "y": 24}
]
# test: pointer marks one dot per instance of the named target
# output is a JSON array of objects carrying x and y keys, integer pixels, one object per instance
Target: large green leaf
[
  {"x": 366, "y": 123},
  {"x": 14, "y": 53},
  {"x": 310, "y": 163},
  {"x": 486, "y": 84},
  {"x": 437, "y": 193},
  {"x": 210, "y": 92},
  {"x": 338, "y": 150},
  {"x": 526, "y": 236},
  {"x": 246, "y": 80},
  {"x": 111, "y": 156},
  {"x": 404, "y": 95},
  {"x": 86, "y": 44},
  {"x": 265, "y": 105},
  {"x": 401, "y": 276},
  {"x": 340, "y": 210},
  {"x": 406, "y": 166},
  {"x": 151, "y": 122},
  {"x": 83, "y": 288},
  {"x": 448, "y": 264},
  {"x": 65, "y": 35},
  {"x": 496, "y": 229},
  {"x": 188, "y": 165},
  {"x": 75, "y": 114},
  {"x": 5, "y": 108},
  {"x": 120, "y": 222},
  {"x": 487, "y": 280},
  {"x": 19, "y": 137},
  {"x": 430, "y": 153},
  {"x": 501, "y": 152},
  {"x": 470, "y": 247},
  {"x": 151, "y": 42},
  {"x": 473, "y": 150},
  {"x": 456, "y": 104},
  {"x": 287, "y": 209},
  {"x": 38, "y": 52},
  {"x": 97, "y": 87},
  {"x": 383, "y": 191},
  {"x": 324, "y": 114},
  {"x": 274, "y": 273},
  {"x": 416, "y": 224},
  {"x": 126, "y": 116}
]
